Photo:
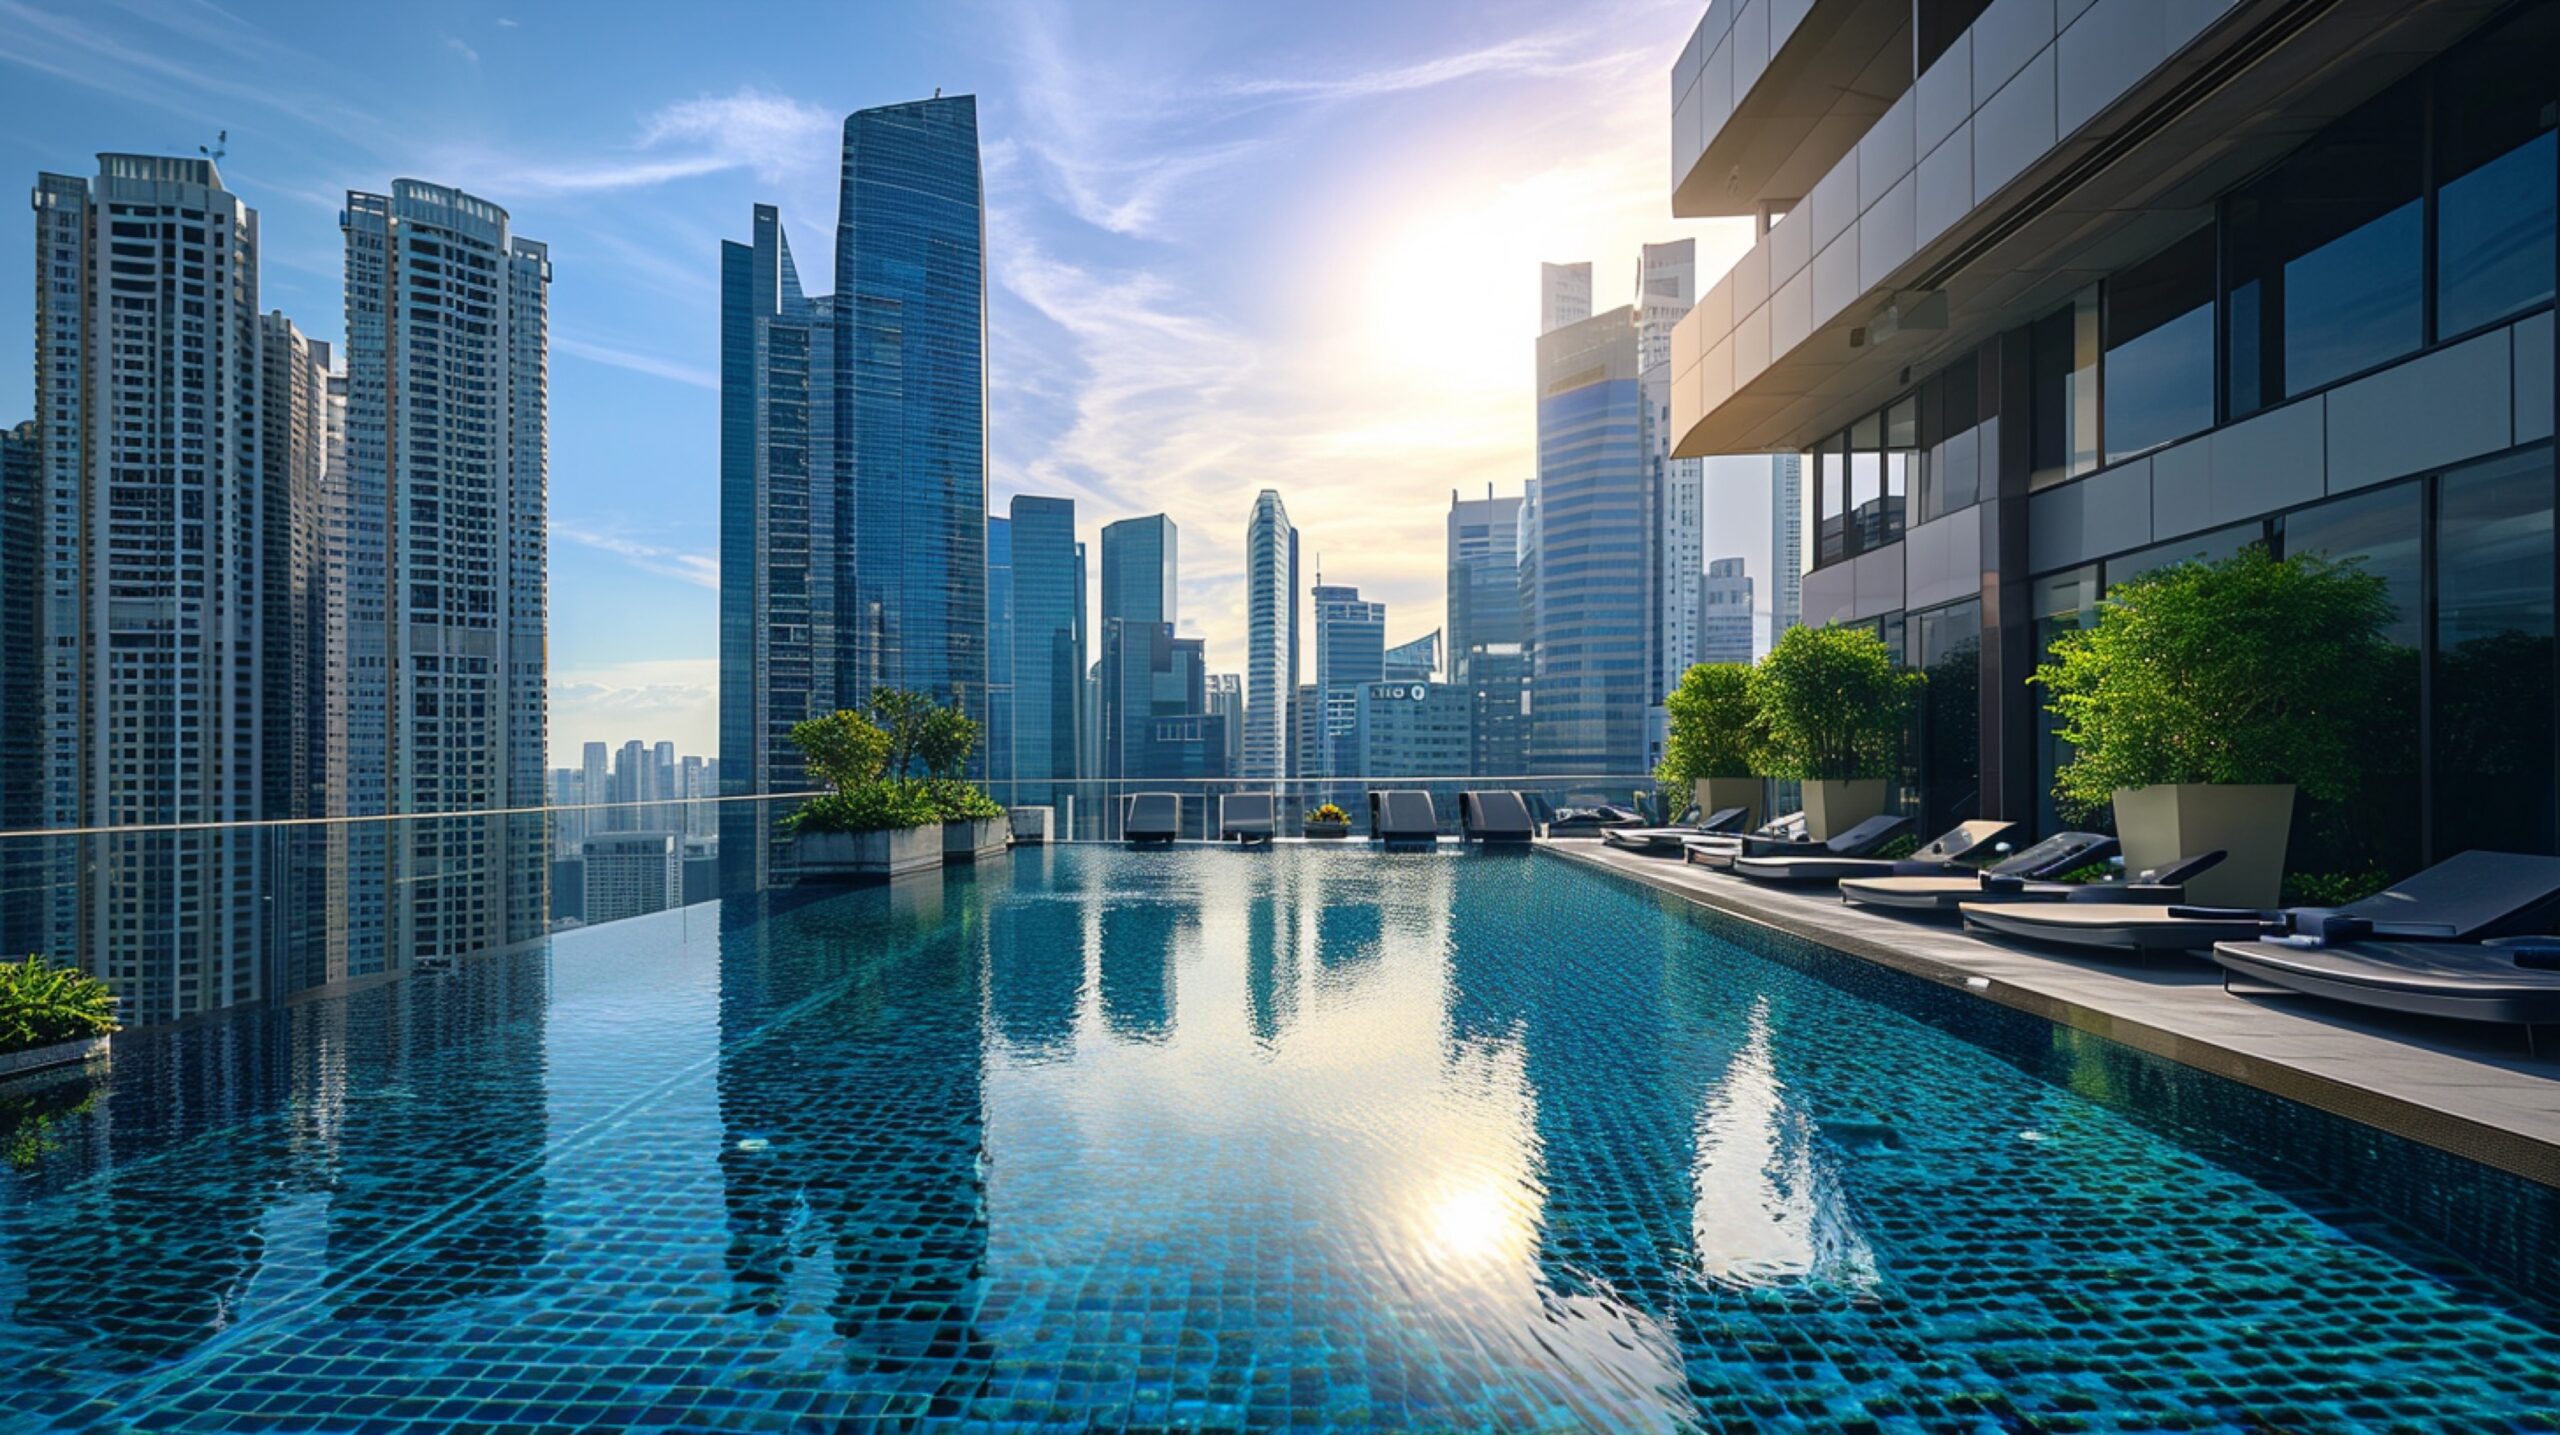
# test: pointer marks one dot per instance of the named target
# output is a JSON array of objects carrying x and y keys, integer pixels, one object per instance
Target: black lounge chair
[
  {"x": 1789, "y": 826},
  {"x": 1940, "y": 854},
  {"x": 1590, "y": 819},
  {"x": 1859, "y": 841},
  {"x": 2506, "y": 979},
  {"x": 1495, "y": 817},
  {"x": 2468, "y": 897},
  {"x": 1248, "y": 817},
  {"x": 1668, "y": 839},
  {"x": 1152, "y": 818},
  {"x": 1403, "y": 817},
  {"x": 1943, "y": 892}
]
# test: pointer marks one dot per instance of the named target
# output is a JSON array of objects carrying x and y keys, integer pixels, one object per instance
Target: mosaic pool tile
[{"x": 1204, "y": 1140}]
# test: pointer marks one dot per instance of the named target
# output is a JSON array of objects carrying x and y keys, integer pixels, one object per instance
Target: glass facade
[
  {"x": 995, "y": 751},
  {"x": 2159, "y": 347},
  {"x": 1048, "y": 634},
  {"x": 1946, "y": 644},
  {"x": 1591, "y": 607},
  {"x": 2496, "y": 163},
  {"x": 911, "y": 400},
  {"x": 2493, "y": 696},
  {"x": 2062, "y": 392}
]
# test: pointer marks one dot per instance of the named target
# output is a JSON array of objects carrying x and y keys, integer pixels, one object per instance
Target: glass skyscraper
[
  {"x": 1271, "y": 635},
  {"x": 1140, "y": 557},
  {"x": 1048, "y": 639},
  {"x": 1592, "y": 606},
  {"x": 911, "y": 402},
  {"x": 995, "y": 743}
]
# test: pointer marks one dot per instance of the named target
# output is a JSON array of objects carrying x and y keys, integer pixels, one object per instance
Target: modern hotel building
[{"x": 2053, "y": 292}]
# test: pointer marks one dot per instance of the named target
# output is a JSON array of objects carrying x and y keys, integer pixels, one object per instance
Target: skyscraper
[
  {"x": 911, "y": 401},
  {"x": 294, "y": 421},
  {"x": 1139, "y": 610},
  {"x": 1725, "y": 614},
  {"x": 1048, "y": 660},
  {"x": 780, "y": 555},
  {"x": 1666, "y": 289},
  {"x": 1564, "y": 295},
  {"x": 995, "y": 740},
  {"x": 447, "y": 393},
  {"x": 154, "y": 623},
  {"x": 21, "y": 686},
  {"x": 1416, "y": 660},
  {"x": 1223, "y": 699},
  {"x": 1593, "y": 609},
  {"x": 1271, "y": 635},
  {"x": 1786, "y": 545},
  {"x": 1351, "y": 644}
]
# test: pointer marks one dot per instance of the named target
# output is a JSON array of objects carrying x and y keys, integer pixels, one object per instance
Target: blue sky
[{"x": 1231, "y": 246}]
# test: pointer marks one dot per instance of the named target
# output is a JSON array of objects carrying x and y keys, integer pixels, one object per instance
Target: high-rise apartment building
[
  {"x": 294, "y": 442},
  {"x": 22, "y": 755},
  {"x": 151, "y": 550},
  {"x": 2136, "y": 284},
  {"x": 1666, "y": 287},
  {"x": 1047, "y": 665},
  {"x": 1593, "y": 604},
  {"x": 447, "y": 345},
  {"x": 1564, "y": 295},
  {"x": 1271, "y": 636},
  {"x": 1725, "y": 627},
  {"x": 631, "y": 874},
  {"x": 1485, "y": 631},
  {"x": 1786, "y": 547},
  {"x": 911, "y": 402},
  {"x": 995, "y": 739}
]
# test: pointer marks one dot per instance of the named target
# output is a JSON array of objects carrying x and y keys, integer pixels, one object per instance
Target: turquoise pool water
[{"x": 1309, "y": 1138}]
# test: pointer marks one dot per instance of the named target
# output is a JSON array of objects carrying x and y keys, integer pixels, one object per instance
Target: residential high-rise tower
[{"x": 1271, "y": 636}]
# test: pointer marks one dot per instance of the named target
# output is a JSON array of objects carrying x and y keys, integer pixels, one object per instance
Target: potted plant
[
  {"x": 50, "y": 1015},
  {"x": 1836, "y": 709},
  {"x": 1328, "y": 820},
  {"x": 1715, "y": 747},
  {"x": 865, "y": 825},
  {"x": 938, "y": 740},
  {"x": 2206, "y": 696}
]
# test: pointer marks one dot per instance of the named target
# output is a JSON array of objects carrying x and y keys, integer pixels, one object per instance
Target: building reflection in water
[
  {"x": 1767, "y": 1214},
  {"x": 851, "y": 1155}
]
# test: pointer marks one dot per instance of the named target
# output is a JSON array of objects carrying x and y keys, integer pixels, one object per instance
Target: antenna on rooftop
[{"x": 215, "y": 151}]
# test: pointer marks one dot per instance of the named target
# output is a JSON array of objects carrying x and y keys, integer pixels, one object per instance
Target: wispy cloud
[
  {"x": 770, "y": 136},
  {"x": 654, "y": 365},
  {"x": 135, "y": 64},
  {"x": 675, "y": 699},
  {"x": 455, "y": 44},
  {"x": 699, "y": 569}
]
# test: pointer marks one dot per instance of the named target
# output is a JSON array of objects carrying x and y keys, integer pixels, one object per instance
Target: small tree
[
  {"x": 1835, "y": 705},
  {"x": 902, "y": 715},
  {"x": 944, "y": 739},
  {"x": 844, "y": 749},
  {"x": 2248, "y": 670},
  {"x": 1716, "y": 727}
]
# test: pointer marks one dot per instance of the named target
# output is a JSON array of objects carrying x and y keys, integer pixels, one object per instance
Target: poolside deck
[{"x": 2462, "y": 1087}]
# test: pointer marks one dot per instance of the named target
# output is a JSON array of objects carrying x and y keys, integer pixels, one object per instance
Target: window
[
  {"x": 2062, "y": 380},
  {"x": 1938, "y": 23},
  {"x": 1830, "y": 476},
  {"x": 2325, "y": 267},
  {"x": 1946, "y": 643},
  {"x": 1901, "y": 456},
  {"x": 2496, "y": 155},
  {"x": 1951, "y": 441},
  {"x": 2493, "y": 689},
  {"x": 1866, "y": 483},
  {"x": 2159, "y": 337},
  {"x": 2379, "y": 824},
  {"x": 2210, "y": 547},
  {"x": 2063, "y": 603}
]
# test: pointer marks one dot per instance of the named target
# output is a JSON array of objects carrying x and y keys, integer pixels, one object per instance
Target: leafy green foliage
[
  {"x": 2091, "y": 872},
  {"x": 944, "y": 740},
  {"x": 883, "y": 806},
  {"x": 2247, "y": 670},
  {"x": 902, "y": 714},
  {"x": 1899, "y": 848},
  {"x": 1716, "y": 729},
  {"x": 2333, "y": 889},
  {"x": 41, "y": 1005},
  {"x": 1835, "y": 705},
  {"x": 844, "y": 749},
  {"x": 960, "y": 801},
  {"x": 28, "y": 1121}
]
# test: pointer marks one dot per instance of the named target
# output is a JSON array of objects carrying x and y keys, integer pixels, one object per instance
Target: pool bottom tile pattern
[{"x": 1092, "y": 1139}]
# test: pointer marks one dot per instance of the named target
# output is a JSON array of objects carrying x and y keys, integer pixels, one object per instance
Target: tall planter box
[
  {"x": 1715, "y": 794},
  {"x": 2247, "y": 822},
  {"x": 971, "y": 839},
  {"x": 1831, "y": 808},
  {"x": 60, "y": 1053},
  {"x": 866, "y": 856}
]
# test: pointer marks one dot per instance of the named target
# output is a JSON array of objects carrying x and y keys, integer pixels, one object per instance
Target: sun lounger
[
  {"x": 1403, "y": 816},
  {"x": 1152, "y": 817},
  {"x": 1789, "y": 826},
  {"x": 1249, "y": 817},
  {"x": 1668, "y": 839},
  {"x": 1859, "y": 841},
  {"x": 2465, "y": 898},
  {"x": 1591, "y": 819},
  {"x": 1494, "y": 817},
  {"x": 2509, "y": 979},
  {"x": 1939, "y": 855},
  {"x": 1943, "y": 892}
]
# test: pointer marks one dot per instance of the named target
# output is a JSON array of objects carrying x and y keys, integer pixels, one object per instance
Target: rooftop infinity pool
[{"x": 1310, "y": 1138}]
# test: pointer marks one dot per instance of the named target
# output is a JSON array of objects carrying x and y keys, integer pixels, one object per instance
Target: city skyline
[{"x": 1105, "y": 289}]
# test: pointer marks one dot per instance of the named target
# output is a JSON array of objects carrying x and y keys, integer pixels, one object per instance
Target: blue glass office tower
[
  {"x": 911, "y": 402},
  {"x": 1591, "y": 609},
  {"x": 1139, "y": 610},
  {"x": 1047, "y": 663},
  {"x": 779, "y": 554}
]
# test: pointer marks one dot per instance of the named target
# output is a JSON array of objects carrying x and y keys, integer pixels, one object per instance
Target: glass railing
[{"x": 184, "y": 919}]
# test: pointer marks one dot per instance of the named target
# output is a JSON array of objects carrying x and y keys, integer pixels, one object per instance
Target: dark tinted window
[
  {"x": 2496, "y": 157},
  {"x": 2159, "y": 332},
  {"x": 1829, "y": 477},
  {"x": 2493, "y": 685},
  {"x": 2326, "y": 260},
  {"x": 2378, "y": 825},
  {"x": 1940, "y": 22},
  {"x": 2062, "y": 379}
]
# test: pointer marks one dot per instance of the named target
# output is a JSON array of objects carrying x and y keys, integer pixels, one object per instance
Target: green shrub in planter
[
  {"x": 2246, "y": 671},
  {"x": 1834, "y": 704},
  {"x": 43, "y": 1005},
  {"x": 1715, "y": 727}
]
